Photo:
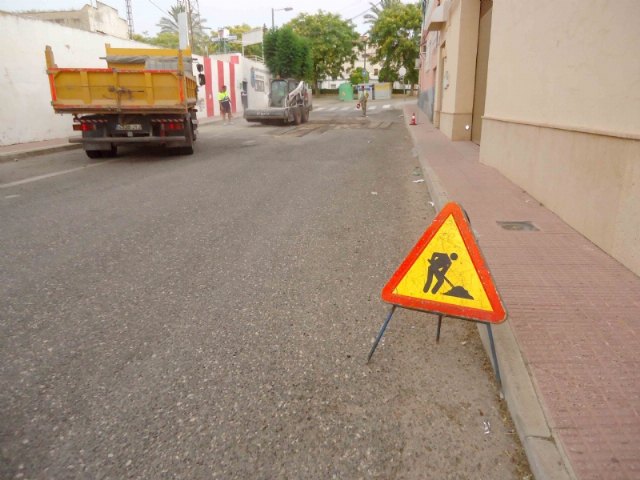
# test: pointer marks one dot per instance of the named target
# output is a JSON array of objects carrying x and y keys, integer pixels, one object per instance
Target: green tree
[
  {"x": 166, "y": 40},
  {"x": 239, "y": 31},
  {"x": 356, "y": 77},
  {"x": 270, "y": 49},
  {"x": 214, "y": 45},
  {"x": 141, "y": 37},
  {"x": 396, "y": 34},
  {"x": 331, "y": 40},
  {"x": 287, "y": 54}
]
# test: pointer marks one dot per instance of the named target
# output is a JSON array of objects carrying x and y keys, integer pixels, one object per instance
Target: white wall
[
  {"x": 26, "y": 114},
  {"x": 243, "y": 73},
  {"x": 256, "y": 99},
  {"x": 220, "y": 74}
]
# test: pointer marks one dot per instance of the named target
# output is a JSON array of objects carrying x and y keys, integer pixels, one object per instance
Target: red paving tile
[{"x": 574, "y": 310}]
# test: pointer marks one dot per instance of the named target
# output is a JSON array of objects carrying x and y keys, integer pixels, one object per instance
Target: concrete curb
[
  {"x": 546, "y": 459},
  {"x": 32, "y": 152},
  {"x": 24, "y": 151}
]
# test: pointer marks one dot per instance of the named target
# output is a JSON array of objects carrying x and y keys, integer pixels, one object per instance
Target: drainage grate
[{"x": 519, "y": 226}]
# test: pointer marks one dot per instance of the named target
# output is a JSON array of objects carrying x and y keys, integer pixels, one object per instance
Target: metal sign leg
[
  {"x": 384, "y": 327},
  {"x": 496, "y": 367},
  {"x": 438, "y": 331}
]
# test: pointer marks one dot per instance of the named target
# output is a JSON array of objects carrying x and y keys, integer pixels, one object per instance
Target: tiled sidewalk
[{"x": 574, "y": 313}]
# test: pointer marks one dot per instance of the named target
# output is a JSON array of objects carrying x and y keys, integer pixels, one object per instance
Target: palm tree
[
  {"x": 170, "y": 24},
  {"x": 377, "y": 8}
]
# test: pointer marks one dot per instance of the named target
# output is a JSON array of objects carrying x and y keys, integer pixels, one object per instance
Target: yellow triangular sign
[{"x": 445, "y": 273}]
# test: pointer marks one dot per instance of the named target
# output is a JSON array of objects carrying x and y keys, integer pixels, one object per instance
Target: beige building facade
[
  {"x": 99, "y": 19},
  {"x": 551, "y": 92}
]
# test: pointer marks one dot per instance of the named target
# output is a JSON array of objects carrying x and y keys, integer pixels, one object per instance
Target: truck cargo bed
[{"x": 121, "y": 90}]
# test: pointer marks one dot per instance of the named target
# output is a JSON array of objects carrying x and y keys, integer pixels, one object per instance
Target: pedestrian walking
[
  {"x": 225, "y": 104},
  {"x": 364, "y": 96}
]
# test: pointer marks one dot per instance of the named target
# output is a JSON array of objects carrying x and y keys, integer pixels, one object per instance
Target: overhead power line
[
  {"x": 159, "y": 8},
  {"x": 367, "y": 10}
]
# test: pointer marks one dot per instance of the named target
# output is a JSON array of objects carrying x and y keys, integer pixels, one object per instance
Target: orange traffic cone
[{"x": 413, "y": 119}]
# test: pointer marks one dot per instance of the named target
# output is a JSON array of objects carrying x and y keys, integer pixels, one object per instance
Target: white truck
[{"x": 289, "y": 102}]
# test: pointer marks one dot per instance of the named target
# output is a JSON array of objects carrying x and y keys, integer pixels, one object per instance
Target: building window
[{"x": 375, "y": 71}]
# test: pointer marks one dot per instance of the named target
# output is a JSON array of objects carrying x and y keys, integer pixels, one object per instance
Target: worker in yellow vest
[{"x": 225, "y": 104}]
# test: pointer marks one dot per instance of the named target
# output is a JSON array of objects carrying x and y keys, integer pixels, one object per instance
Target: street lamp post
[
  {"x": 273, "y": 10},
  {"x": 365, "y": 39},
  {"x": 365, "y": 76}
]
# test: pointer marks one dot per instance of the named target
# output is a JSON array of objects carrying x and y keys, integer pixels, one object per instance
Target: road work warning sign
[{"x": 445, "y": 273}]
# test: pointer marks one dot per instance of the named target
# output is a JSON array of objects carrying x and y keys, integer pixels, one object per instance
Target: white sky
[{"x": 146, "y": 13}]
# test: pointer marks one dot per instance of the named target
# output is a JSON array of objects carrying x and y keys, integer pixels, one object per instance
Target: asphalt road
[{"x": 209, "y": 317}]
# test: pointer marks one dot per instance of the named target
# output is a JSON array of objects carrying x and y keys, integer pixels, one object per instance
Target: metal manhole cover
[{"x": 519, "y": 226}]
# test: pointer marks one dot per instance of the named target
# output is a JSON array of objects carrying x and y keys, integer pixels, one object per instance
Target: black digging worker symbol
[{"x": 439, "y": 265}]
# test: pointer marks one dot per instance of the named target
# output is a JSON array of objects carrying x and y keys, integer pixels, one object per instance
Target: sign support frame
[
  {"x": 494, "y": 355},
  {"x": 384, "y": 327},
  {"x": 409, "y": 300},
  {"x": 492, "y": 345}
]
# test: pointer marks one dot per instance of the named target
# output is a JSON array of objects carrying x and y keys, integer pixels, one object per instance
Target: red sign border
[{"x": 498, "y": 314}]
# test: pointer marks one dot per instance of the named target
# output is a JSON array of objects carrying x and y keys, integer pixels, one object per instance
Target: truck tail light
[
  {"x": 84, "y": 127},
  {"x": 174, "y": 126},
  {"x": 169, "y": 125}
]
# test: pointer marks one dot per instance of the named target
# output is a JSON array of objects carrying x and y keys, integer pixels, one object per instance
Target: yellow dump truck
[{"x": 144, "y": 96}]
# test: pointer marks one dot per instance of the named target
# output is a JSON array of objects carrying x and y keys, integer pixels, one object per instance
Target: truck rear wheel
[
  {"x": 187, "y": 149},
  {"x": 111, "y": 153},
  {"x": 297, "y": 115},
  {"x": 305, "y": 115}
]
